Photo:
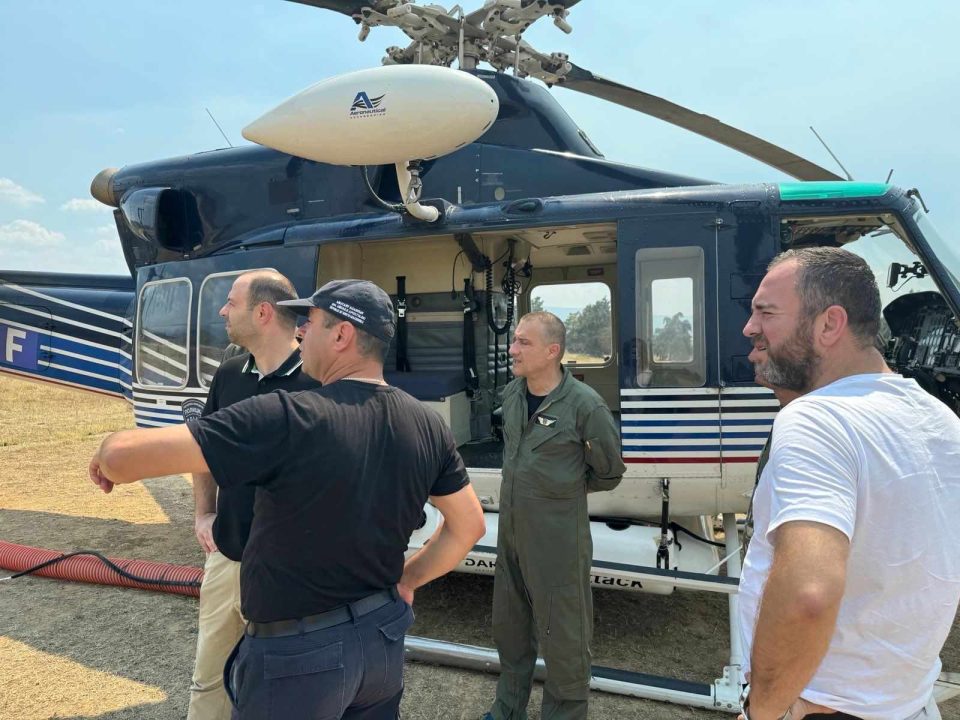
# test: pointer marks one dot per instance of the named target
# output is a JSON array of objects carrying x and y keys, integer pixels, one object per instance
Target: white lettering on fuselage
[
  {"x": 602, "y": 580},
  {"x": 13, "y": 334}
]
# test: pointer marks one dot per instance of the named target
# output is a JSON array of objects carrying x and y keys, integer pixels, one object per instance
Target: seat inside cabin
[{"x": 570, "y": 271}]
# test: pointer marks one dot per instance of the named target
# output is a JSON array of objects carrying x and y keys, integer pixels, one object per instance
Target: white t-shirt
[{"x": 877, "y": 458}]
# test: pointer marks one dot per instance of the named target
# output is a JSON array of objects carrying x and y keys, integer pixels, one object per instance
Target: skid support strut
[{"x": 723, "y": 695}]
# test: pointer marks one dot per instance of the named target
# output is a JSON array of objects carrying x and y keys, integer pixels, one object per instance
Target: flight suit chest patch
[
  {"x": 547, "y": 429},
  {"x": 546, "y": 420}
]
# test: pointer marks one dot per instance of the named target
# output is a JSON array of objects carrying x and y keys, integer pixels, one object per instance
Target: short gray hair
[{"x": 833, "y": 276}]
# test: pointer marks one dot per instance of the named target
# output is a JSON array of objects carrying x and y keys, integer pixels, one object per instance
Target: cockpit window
[
  {"x": 941, "y": 248},
  {"x": 881, "y": 240},
  {"x": 883, "y": 248}
]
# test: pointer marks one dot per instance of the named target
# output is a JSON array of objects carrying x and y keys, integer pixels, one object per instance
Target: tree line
[{"x": 590, "y": 332}]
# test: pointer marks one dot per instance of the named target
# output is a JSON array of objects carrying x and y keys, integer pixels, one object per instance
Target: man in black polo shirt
[
  {"x": 341, "y": 475},
  {"x": 255, "y": 322}
]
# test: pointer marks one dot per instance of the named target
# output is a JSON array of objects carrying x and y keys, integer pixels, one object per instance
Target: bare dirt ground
[{"x": 69, "y": 650}]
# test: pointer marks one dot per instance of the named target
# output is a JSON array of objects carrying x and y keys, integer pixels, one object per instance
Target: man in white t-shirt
[{"x": 852, "y": 579}]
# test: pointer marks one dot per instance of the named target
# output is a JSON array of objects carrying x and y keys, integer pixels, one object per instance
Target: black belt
[{"x": 321, "y": 621}]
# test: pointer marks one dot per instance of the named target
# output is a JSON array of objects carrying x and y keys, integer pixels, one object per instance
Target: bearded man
[{"x": 852, "y": 580}]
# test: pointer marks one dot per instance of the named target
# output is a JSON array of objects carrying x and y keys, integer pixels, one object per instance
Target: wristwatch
[{"x": 745, "y": 705}]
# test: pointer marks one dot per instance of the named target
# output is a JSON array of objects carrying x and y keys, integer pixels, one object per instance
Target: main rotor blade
[
  {"x": 477, "y": 16},
  {"x": 795, "y": 166},
  {"x": 347, "y": 7}
]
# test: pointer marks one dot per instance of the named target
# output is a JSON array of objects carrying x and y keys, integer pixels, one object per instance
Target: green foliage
[
  {"x": 536, "y": 304},
  {"x": 590, "y": 331},
  {"x": 674, "y": 341}
]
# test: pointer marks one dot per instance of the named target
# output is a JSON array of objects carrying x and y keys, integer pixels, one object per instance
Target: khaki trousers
[{"x": 220, "y": 628}]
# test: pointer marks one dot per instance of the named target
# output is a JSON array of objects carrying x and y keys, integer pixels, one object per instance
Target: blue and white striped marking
[
  {"x": 695, "y": 425},
  {"x": 88, "y": 355}
]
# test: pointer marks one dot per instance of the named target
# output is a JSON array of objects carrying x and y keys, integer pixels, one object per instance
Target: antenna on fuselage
[
  {"x": 845, "y": 172},
  {"x": 218, "y": 127}
]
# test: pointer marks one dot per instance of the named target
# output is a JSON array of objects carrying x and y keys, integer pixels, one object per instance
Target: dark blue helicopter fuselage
[{"x": 188, "y": 225}]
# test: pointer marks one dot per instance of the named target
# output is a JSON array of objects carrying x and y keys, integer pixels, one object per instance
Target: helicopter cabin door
[
  {"x": 745, "y": 248},
  {"x": 669, "y": 395}
]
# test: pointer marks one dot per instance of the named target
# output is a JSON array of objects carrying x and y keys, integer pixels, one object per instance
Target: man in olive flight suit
[{"x": 561, "y": 442}]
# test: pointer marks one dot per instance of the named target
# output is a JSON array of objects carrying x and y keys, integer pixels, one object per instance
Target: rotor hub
[{"x": 491, "y": 34}]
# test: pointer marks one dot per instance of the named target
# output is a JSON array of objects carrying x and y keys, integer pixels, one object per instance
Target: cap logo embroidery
[{"x": 355, "y": 314}]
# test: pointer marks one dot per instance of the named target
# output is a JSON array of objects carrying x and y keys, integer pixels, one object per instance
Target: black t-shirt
[
  {"x": 342, "y": 474},
  {"x": 533, "y": 403},
  {"x": 237, "y": 379}
]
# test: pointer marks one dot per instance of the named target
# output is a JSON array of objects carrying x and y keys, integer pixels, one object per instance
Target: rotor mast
[{"x": 490, "y": 34}]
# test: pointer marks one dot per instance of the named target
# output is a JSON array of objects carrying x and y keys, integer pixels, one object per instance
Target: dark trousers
[
  {"x": 542, "y": 604},
  {"x": 352, "y": 670}
]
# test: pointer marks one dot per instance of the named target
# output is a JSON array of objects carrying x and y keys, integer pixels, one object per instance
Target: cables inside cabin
[
  {"x": 509, "y": 287},
  {"x": 453, "y": 274}
]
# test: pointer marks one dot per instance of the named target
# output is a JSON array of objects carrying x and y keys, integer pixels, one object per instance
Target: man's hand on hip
[
  {"x": 203, "y": 528},
  {"x": 405, "y": 593}
]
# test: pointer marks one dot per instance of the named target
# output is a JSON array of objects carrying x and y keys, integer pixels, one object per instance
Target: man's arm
[
  {"x": 131, "y": 455},
  {"x": 204, "y": 509},
  {"x": 602, "y": 451},
  {"x": 461, "y": 528},
  {"x": 798, "y": 613}
]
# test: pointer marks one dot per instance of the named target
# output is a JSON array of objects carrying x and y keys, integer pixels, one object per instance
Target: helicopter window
[
  {"x": 671, "y": 301},
  {"x": 163, "y": 333},
  {"x": 585, "y": 310},
  {"x": 670, "y": 317}
]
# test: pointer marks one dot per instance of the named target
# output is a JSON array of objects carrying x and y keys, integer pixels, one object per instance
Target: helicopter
[{"x": 518, "y": 213}]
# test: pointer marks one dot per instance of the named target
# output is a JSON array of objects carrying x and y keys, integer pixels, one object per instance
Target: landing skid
[
  {"x": 696, "y": 566},
  {"x": 723, "y": 695}
]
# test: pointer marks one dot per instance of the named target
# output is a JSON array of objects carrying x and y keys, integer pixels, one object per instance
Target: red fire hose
[{"x": 90, "y": 567}]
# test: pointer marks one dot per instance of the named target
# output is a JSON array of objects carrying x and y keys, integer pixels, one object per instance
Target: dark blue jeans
[{"x": 353, "y": 671}]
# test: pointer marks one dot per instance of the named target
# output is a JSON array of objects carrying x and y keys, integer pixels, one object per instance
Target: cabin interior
[{"x": 569, "y": 270}]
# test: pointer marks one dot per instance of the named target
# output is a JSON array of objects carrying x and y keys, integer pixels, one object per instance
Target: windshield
[
  {"x": 882, "y": 248},
  {"x": 946, "y": 253}
]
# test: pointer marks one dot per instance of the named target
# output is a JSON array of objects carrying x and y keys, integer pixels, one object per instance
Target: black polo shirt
[
  {"x": 237, "y": 379},
  {"x": 342, "y": 474}
]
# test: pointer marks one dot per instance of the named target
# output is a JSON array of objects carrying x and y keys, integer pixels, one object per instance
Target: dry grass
[
  {"x": 70, "y": 695},
  {"x": 82, "y": 651},
  {"x": 48, "y": 434}
]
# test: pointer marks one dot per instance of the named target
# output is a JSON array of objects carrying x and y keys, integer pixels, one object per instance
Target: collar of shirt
[
  {"x": 287, "y": 367},
  {"x": 558, "y": 392}
]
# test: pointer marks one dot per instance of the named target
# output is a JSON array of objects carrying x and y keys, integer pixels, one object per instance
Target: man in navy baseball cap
[
  {"x": 359, "y": 302},
  {"x": 341, "y": 474}
]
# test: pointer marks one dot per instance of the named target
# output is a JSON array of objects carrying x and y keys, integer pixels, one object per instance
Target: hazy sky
[{"x": 89, "y": 85}]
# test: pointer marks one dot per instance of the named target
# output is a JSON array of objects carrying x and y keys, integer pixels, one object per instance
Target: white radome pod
[{"x": 380, "y": 116}]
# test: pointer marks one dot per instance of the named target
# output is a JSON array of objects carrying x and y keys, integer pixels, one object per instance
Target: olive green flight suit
[{"x": 541, "y": 596}]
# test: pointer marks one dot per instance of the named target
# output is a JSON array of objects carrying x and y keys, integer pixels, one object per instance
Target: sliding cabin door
[{"x": 669, "y": 396}]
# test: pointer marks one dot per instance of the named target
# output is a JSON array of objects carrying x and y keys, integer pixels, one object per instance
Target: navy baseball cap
[{"x": 359, "y": 302}]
